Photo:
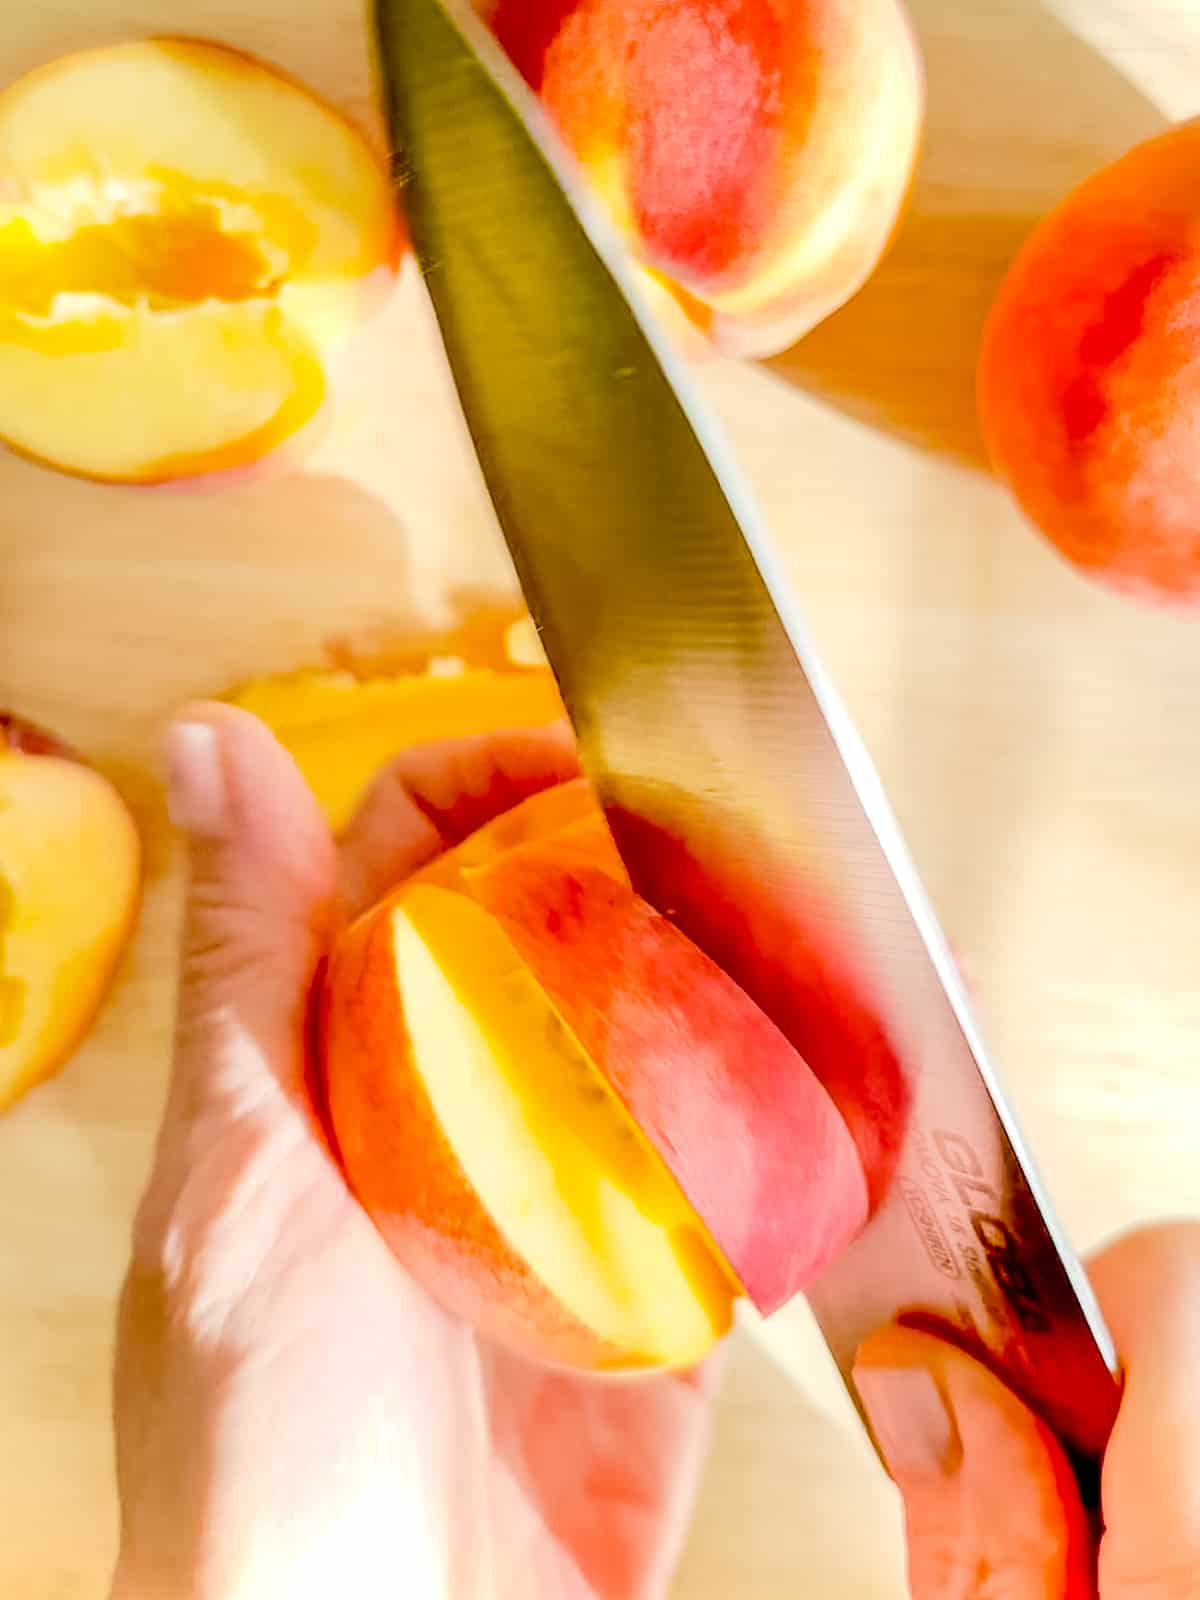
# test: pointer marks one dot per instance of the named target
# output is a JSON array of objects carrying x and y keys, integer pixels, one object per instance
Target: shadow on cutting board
[{"x": 1019, "y": 110}]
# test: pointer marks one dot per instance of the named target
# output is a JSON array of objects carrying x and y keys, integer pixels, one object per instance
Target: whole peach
[{"x": 1089, "y": 375}]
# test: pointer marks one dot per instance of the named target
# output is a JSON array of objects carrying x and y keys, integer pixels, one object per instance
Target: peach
[
  {"x": 186, "y": 236},
  {"x": 1089, "y": 373},
  {"x": 756, "y": 155},
  {"x": 567, "y": 1123},
  {"x": 70, "y": 866},
  {"x": 781, "y": 1189},
  {"x": 567, "y": 813},
  {"x": 783, "y": 943},
  {"x": 341, "y": 729}
]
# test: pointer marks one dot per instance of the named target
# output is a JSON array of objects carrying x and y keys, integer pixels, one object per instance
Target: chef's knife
[{"x": 741, "y": 798}]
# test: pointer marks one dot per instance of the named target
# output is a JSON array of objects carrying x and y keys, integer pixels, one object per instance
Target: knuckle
[{"x": 225, "y": 942}]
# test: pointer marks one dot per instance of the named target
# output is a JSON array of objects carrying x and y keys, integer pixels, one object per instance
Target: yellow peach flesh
[
  {"x": 341, "y": 730},
  {"x": 184, "y": 236},
  {"x": 554, "y": 1157},
  {"x": 69, "y": 876}
]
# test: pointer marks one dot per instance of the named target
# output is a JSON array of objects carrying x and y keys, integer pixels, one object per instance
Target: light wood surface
[{"x": 1040, "y": 740}]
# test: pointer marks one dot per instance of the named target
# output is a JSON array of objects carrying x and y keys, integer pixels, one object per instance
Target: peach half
[
  {"x": 70, "y": 871},
  {"x": 569, "y": 1125},
  {"x": 186, "y": 236},
  {"x": 756, "y": 155}
]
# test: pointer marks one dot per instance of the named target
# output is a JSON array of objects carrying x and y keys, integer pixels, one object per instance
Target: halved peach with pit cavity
[
  {"x": 70, "y": 872},
  {"x": 186, "y": 236}
]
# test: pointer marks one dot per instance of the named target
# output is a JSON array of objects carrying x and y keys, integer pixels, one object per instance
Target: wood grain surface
[{"x": 1040, "y": 740}]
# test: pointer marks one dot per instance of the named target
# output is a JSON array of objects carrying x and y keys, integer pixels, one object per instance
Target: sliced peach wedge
[
  {"x": 341, "y": 729},
  {"x": 501, "y": 1169},
  {"x": 70, "y": 867},
  {"x": 185, "y": 237},
  {"x": 570, "y": 1126}
]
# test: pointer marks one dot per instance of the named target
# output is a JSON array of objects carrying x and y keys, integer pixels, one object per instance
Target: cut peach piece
[
  {"x": 567, "y": 812},
  {"x": 782, "y": 941},
  {"x": 570, "y": 1126},
  {"x": 751, "y": 1136},
  {"x": 500, "y": 1168},
  {"x": 1089, "y": 374},
  {"x": 756, "y": 156},
  {"x": 186, "y": 236},
  {"x": 341, "y": 730},
  {"x": 69, "y": 884}
]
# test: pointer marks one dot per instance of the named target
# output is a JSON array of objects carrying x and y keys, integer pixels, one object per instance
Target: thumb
[
  {"x": 233, "y": 1161},
  {"x": 990, "y": 1502},
  {"x": 260, "y": 906}
]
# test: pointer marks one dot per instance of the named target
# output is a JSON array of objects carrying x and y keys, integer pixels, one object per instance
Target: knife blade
[{"x": 740, "y": 795}]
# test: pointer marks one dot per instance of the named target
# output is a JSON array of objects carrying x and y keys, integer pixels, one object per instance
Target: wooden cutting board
[{"x": 1040, "y": 740}]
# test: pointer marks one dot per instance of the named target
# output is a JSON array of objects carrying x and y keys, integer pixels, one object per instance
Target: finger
[
  {"x": 261, "y": 894},
  {"x": 432, "y": 796},
  {"x": 1148, "y": 1284},
  {"x": 990, "y": 1503}
]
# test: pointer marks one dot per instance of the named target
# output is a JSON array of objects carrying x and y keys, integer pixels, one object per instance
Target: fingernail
[
  {"x": 196, "y": 791},
  {"x": 912, "y": 1421}
]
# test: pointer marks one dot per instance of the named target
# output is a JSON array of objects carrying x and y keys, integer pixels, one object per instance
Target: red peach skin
[
  {"x": 751, "y": 1137},
  {"x": 756, "y": 155},
  {"x": 1089, "y": 376}
]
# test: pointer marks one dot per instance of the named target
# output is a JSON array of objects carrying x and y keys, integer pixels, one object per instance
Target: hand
[
  {"x": 294, "y": 1418},
  {"x": 980, "y": 1477}
]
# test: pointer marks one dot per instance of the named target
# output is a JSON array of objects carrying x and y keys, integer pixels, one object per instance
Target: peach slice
[
  {"x": 781, "y": 1186},
  {"x": 69, "y": 887},
  {"x": 567, "y": 812},
  {"x": 341, "y": 729},
  {"x": 568, "y": 1124},
  {"x": 499, "y": 1167},
  {"x": 755, "y": 155},
  {"x": 186, "y": 236}
]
